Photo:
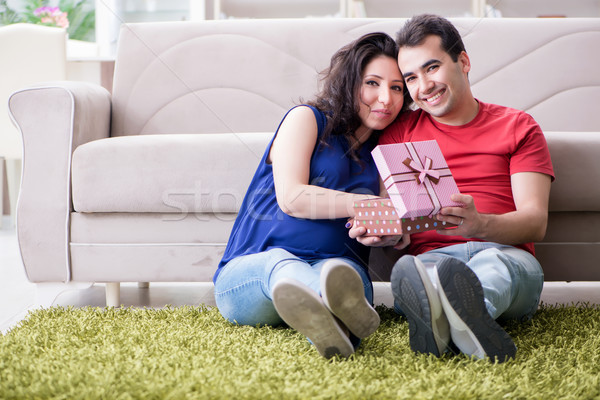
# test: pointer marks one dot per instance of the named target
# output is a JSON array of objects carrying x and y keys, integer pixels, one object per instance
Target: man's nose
[{"x": 426, "y": 85}]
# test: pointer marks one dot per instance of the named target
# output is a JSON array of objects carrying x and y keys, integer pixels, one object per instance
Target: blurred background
[{"x": 85, "y": 48}]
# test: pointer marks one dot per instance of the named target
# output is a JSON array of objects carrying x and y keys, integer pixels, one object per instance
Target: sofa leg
[
  {"x": 113, "y": 294},
  {"x": 143, "y": 285}
]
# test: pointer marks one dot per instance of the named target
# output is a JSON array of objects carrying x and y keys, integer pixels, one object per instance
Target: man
[{"x": 454, "y": 283}]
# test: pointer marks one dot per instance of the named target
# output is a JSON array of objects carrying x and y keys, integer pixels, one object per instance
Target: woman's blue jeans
[
  {"x": 512, "y": 278},
  {"x": 244, "y": 286}
]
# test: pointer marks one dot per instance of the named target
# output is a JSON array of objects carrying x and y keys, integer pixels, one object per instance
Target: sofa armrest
[{"x": 53, "y": 118}]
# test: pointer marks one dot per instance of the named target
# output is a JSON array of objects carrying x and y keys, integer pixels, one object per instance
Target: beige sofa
[{"x": 143, "y": 185}]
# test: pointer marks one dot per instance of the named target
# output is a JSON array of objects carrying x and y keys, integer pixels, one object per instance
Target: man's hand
[
  {"x": 467, "y": 218},
  {"x": 527, "y": 223},
  {"x": 358, "y": 232}
]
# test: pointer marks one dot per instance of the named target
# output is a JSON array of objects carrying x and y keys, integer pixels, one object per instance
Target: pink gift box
[{"x": 417, "y": 178}]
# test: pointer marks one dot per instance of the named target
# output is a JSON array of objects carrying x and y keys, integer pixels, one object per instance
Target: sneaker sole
[
  {"x": 427, "y": 326},
  {"x": 303, "y": 310},
  {"x": 463, "y": 302},
  {"x": 344, "y": 295}
]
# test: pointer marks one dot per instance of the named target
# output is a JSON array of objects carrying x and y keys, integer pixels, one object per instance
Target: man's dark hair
[{"x": 419, "y": 27}]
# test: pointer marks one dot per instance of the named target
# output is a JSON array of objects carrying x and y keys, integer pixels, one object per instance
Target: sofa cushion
[
  {"x": 203, "y": 173},
  {"x": 145, "y": 229},
  {"x": 576, "y": 165}
]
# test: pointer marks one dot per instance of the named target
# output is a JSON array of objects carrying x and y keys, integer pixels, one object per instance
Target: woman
[{"x": 289, "y": 258}]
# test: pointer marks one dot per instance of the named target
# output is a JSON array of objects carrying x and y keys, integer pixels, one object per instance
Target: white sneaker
[
  {"x": 416, "y": 295},
  {"x": 302, "y": 309},
  {"x": 343, "y": 293},
  {"x": 472, "y": 328}
]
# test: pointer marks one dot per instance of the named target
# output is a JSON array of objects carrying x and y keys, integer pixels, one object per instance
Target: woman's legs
[
  {"x": 275, "y": 286},
  {"x": 243, "y": 290}
]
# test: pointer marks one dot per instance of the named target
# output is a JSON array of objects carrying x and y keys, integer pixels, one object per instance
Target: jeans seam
[{"x": 245, "y": 283}]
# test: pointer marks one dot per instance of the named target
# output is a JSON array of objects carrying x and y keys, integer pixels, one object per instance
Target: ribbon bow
[{"x": 425, "y": 172}]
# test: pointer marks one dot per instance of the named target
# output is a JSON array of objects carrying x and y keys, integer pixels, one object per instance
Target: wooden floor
[{"x": 18, "y": 295}]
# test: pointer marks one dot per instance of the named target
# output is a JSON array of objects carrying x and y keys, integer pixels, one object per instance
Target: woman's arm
[{"x": 290, "y": 156}]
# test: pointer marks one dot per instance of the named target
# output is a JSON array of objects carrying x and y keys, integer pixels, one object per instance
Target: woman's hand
[{"x": 358, "y": 232}]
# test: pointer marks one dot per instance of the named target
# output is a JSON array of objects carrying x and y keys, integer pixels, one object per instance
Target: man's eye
[{"x": 432, "y": 68}]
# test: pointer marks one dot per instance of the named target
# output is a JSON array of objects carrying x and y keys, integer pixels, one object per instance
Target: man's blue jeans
[
  {"x": 512, "y": 278},
  {"x": 244, "y": 286}
]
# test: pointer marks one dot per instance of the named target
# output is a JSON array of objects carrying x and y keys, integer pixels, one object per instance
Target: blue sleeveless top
[{"x": 261, "y": 225}]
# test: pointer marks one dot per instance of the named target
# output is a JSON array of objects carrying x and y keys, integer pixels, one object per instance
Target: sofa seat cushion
[{"x": 191, "y": 173}]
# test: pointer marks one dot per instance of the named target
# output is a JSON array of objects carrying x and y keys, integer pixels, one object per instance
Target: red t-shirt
[{"x": 482, "y": 155}]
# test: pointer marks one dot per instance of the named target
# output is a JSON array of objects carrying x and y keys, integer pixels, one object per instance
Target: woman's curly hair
[{"x": 339, "y": 97}]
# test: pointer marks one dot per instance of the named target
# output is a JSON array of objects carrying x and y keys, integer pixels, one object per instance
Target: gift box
[
  {"x": 380, "y": 218},
  {"x": 418, "y": 182}
]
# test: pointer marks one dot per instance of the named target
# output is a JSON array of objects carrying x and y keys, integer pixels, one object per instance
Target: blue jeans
[
  {"x": 244, "y": 286},
  {"x": 512, "y": 278}
]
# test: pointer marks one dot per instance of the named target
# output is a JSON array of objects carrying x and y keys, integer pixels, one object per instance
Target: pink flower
[
  {"x": 52, "y": 16},
  {"x": 45, "y": 10}
]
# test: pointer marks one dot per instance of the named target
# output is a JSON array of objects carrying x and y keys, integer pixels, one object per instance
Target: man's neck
[{"x": 465, "y": 113}]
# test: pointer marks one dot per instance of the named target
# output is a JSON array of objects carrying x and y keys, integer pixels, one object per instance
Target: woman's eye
[
  {"x": 398, "y": 88},
  {"x": 372, "y": 83}
]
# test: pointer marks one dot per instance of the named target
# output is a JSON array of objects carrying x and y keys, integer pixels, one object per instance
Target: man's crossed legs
[{"x": 453, "y": 296}]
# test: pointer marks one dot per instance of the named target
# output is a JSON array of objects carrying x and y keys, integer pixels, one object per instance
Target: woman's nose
[{"x": 384, "y": 95}]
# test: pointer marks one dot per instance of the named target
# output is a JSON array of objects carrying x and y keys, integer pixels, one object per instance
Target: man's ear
[{"x": 465, "y": 62}]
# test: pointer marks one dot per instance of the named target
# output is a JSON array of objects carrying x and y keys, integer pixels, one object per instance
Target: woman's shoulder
[
  {"x": 307, "y": 114},
  {"x": 303, "y": 109},
  {"x": 307, "y": 109}
]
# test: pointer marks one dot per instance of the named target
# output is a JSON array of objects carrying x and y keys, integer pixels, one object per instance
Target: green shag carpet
[{"x": 193, "y": 353}]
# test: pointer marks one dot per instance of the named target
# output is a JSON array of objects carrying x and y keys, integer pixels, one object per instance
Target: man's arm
[{"x": 531, "y": 191}]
